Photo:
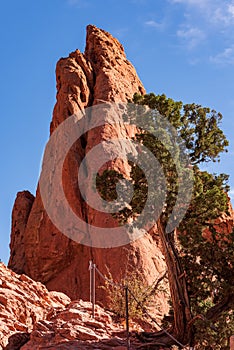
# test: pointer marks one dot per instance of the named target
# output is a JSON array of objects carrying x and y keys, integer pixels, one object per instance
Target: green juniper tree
[{"x": 200, "y": 267}]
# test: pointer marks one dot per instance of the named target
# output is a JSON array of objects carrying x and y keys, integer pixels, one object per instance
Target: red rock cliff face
[{"x": 101, "y": 74}]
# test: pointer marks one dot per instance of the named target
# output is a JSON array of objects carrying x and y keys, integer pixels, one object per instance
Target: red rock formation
[
  {"x": 22, "y": 207},
  {"x": 74, "y": 328},
  {"x": 32, "y": 318},
  {"x": 23, "y": 302},
  {"x": 101, "y": 74}
]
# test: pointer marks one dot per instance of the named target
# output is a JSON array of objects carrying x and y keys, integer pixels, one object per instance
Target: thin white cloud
[
  {"x": 223, "y": 15},
  {"x": 192, "y": 36},
  {"x": 231, "y": 9},
  {"x": 216, "y": 11},
  {"x": 154, "y": 24},
  {"x": 225, "y": 57},
  {"x": 210, "y": 20}
]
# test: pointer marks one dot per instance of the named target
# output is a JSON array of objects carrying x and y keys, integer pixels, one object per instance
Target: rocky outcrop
[
  {"x": 22, "y": 207},
  {"x": 32, "y": 318},
  {"x": 75, "y": 328},
  {"x": 23, "y": 302},
  {"x": 101, "y": 74}
]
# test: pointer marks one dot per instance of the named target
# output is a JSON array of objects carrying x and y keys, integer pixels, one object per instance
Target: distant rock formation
[
  {"x": 22, "y": 207},
  {"x": 38, "y": 249}
]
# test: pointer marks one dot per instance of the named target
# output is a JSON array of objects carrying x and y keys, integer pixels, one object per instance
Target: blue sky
[{"x": 183, "y": 48}]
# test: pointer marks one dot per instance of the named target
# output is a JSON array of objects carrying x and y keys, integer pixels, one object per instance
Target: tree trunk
[{"x": 181, "y": 328}]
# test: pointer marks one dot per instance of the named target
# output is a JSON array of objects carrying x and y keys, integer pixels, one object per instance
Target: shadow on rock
[{"x": 17, "y": 340}]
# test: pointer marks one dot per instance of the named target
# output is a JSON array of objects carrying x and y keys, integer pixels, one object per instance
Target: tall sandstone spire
[{"x": 38, "y": 249}]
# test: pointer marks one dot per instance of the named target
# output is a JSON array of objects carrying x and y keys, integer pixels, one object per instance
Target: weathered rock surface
[
  {"x": 22, "y": 207},
  {"x": 74, "y": 328},
  {"x": 101, "y": 74},
  {"x": 32, "y": 318},
  {"x": 23, "y": 302}
]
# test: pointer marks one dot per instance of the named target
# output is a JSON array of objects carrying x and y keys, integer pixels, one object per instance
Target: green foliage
[
  {"x": 106, "y": 186},
  {"x": 108, "y": 179},
  {"x": 206, "y": 252},
  {"x": 209, "y": 268},
  {"x": 215, "y": 336},
  {"x": 165, "y": 106},
  {"x": 198, "y": 126},
  {"x": 207, "y": 260}
]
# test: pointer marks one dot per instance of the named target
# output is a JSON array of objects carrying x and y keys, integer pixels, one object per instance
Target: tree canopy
[{"x": 199, "y": 252}]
